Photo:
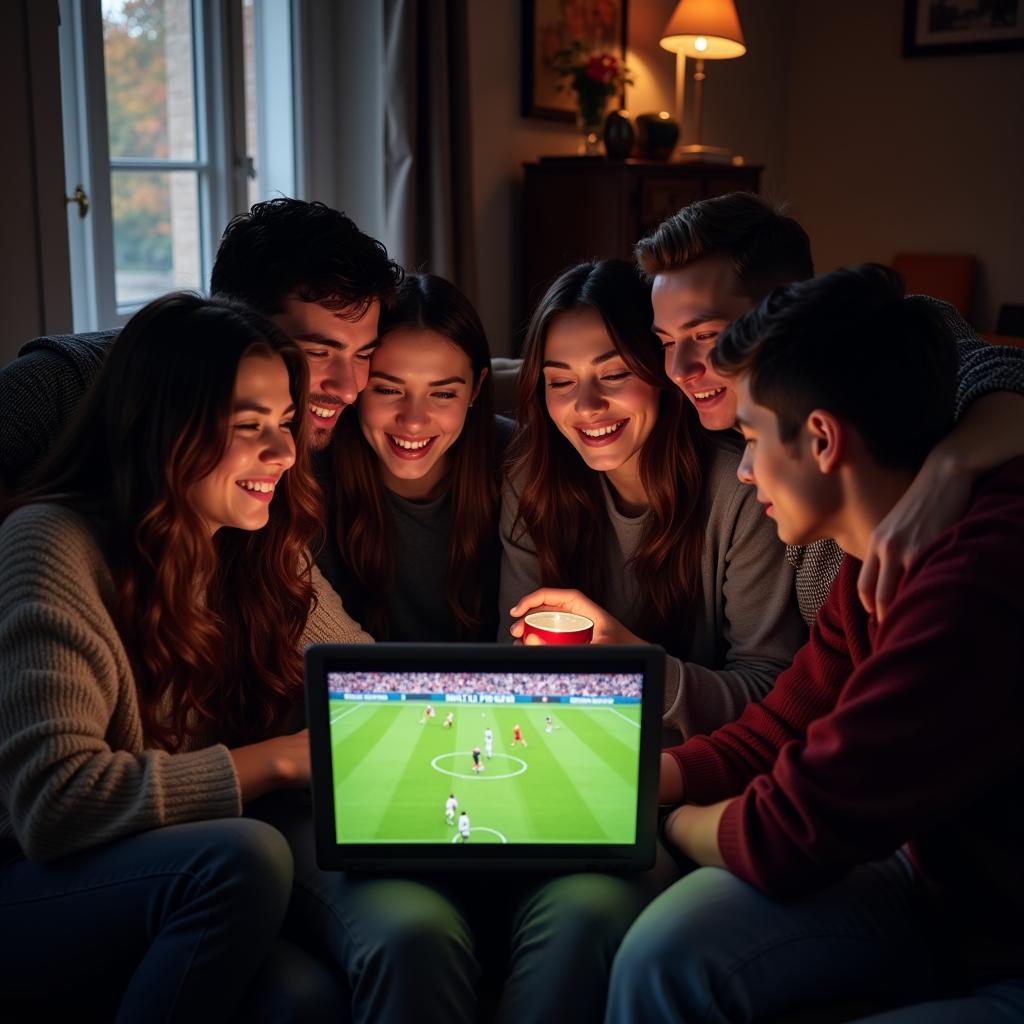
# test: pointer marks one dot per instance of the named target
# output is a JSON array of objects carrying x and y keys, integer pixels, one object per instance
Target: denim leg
[
  {"x": 294, "y": 987},
  {"x": 1000, "y": 1003},
  {"x": 716, "y": 950},
  {"x": 564, "y": 936},
  {"x": 403, "y": 946},
  {"x": 168, "y": 925}
]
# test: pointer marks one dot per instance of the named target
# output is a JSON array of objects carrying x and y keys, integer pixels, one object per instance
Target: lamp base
[{"x": 701, "y": 152}]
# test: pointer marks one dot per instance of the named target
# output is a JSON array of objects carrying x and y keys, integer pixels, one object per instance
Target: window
[{"x": 166, "y": 104}]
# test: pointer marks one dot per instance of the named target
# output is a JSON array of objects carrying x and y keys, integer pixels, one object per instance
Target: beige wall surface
[{"x": 886, "y": 154}]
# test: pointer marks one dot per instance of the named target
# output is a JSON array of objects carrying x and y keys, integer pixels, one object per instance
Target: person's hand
[
  {"x": 607, "y": 629},
  {"x": 935, "y": 500},
  {"x": 670, "y": 780},
  {"x": 279, "y": 763}
]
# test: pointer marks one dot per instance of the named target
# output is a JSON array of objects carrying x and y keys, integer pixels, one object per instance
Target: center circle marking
[
  {"x": 482, "y": 828},
  {"x": 477, "y": 775}
]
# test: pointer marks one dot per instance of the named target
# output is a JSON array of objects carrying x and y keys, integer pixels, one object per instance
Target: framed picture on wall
[
  {"x": 553, "y": 25},
  {"x": 935, "y": 27}
]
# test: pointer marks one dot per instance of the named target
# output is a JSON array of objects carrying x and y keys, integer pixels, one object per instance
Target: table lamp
[{"x": 705, "y": 30}]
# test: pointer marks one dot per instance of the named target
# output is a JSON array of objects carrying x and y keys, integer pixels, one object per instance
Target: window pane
[
  {"x": 156, "y": 233},
  {"x": 147, "y": 53}
]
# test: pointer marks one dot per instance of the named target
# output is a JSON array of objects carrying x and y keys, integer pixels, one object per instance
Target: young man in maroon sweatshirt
[{"x": 867, "y": 812}]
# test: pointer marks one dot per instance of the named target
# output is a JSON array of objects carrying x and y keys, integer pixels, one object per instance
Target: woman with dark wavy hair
[
  {"x": 614, "y": 491},
  {"x": 155, "y": 599},
  {"x": 415, "y": 478}
]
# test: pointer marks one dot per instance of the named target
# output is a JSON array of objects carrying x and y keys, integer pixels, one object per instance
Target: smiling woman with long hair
[
  {"x": 155, "y": 599},
  {"x": 414, "y": 545},
  {"x": 615, "y": 492}
]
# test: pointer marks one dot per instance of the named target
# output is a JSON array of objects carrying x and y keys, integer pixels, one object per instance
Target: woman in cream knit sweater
[{"x": 154, "y": 601}]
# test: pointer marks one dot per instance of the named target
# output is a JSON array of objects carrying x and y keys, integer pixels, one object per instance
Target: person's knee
[
  {"x": 410, "y": 929},
  {"x": 248, "y": 865},
  {"x": 568, "y": 913}
]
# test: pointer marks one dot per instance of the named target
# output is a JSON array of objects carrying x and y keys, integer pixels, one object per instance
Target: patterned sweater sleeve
[
  {"x": 73, "y": 769},
  {"x": 984, "y": 368}
]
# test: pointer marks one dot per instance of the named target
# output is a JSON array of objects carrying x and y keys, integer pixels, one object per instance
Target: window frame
[{"x": 221, "y": 164}]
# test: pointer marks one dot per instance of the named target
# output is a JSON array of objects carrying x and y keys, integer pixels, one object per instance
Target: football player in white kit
[
  {"x": 488, "y": 742},
  {"x": 464, "y": 827},
  {"x": 451, "y": 805}
]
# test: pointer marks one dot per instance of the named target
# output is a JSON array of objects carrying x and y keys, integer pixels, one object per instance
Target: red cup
[{"x": 559, "y": 627}]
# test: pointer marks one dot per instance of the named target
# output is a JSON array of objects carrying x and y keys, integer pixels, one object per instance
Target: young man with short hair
[
  {"x": 868, "y": 809},
  {"x": 306, "y": 267},
  {"x": 715, "y": 260}
]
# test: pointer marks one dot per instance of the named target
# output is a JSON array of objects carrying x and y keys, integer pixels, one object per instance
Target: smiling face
[
  {"x": 794, "y": 492},
  {"x": 337, "y": 349},
  {"x": 692, "y": 306},
  {"x": 604, "y": 409},
  {"x": 260, "y": 448},
  {"x": 414, "y": 409}
]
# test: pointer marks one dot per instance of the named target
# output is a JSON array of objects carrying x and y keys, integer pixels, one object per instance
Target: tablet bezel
[{"x": 445, "y": 856}]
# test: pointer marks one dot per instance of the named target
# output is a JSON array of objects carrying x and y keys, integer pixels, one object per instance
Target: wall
[
  {"x": 744, "y": 109},
  {"x": 885, "y": 154},
  {"x": 874, "y": 153}
]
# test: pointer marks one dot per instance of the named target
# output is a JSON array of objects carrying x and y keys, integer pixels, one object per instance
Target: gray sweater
[
  {"x": 746, "y": 626},
  {"x": 74, "y": 770}
]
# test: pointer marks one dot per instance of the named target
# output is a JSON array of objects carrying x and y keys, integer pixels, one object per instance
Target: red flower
[{"x": 602, "y": 67}]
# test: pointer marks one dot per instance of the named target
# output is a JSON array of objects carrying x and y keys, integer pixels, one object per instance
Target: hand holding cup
[{"x": 604, "y": 629}]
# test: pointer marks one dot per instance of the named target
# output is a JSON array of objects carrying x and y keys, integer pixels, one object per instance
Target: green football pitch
[{"x": 576, "y": 784}]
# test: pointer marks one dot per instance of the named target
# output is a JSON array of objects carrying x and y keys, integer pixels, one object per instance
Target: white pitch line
[
  {"x": 345, "y": 714},
  {"x": 623, "y": 717}
]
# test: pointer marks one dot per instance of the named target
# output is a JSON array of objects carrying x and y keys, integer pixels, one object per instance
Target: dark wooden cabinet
[{"x": 578, "y": 208}]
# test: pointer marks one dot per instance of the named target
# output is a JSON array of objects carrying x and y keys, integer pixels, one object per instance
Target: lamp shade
[{"x": 704, "y": 28}]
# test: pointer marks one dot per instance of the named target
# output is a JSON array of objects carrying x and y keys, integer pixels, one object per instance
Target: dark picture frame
[
  {"x": 544, "y": 29},
  {"x": 934, "y": 28}
]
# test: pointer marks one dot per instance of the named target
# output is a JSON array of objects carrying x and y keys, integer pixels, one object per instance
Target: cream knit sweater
[{"x": 74, "y": 771}]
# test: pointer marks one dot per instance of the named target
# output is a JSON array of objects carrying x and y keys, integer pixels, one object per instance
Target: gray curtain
[{"x": 428, "y": 195}]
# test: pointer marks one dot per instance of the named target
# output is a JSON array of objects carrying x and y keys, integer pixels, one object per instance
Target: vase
[
  {"x": 590, "y": 123},
  {"x": 618, "y": 135}
]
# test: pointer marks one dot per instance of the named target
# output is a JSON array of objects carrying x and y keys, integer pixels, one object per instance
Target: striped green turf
[{"x": 579, "y": 784}]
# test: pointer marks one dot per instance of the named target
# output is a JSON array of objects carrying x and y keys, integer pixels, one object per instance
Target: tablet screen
[{"x": 482, "y": 757}]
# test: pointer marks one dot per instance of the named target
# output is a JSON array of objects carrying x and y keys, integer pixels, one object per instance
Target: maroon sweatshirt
[{"x": 906, "y": 732}]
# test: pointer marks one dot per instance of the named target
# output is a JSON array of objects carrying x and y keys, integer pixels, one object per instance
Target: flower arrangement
[{"x": 594, "y": 77}]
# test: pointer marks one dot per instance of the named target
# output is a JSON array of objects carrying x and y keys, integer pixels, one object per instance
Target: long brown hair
[
  {"x": 213, "y": 626},
  {"x": 561, "y": 504},
  {"x": 363, "y": 522}
]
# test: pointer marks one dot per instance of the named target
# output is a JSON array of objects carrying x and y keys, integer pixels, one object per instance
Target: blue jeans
[
  {"x": 415, "y": 948},
  {"x": 400, "y": 948},
  {"x": 716, "y": 950},
  {"x": 564, "y": 935},
  {"x": 167, "y": 925}
]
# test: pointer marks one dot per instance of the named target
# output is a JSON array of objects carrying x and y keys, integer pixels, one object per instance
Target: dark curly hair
[
  {"x": 288, "y": 246},
  {"x": 213, "y": 625}
]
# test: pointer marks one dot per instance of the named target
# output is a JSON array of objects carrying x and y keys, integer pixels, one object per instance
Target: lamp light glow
[{"x": 705, "y": 30}]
